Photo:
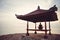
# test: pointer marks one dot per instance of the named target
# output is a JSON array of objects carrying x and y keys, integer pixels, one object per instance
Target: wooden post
[
  {"x": 49, "y": 29},
  {"x": 27, "y": 29},
  {"x": 45, "y": 31},
  {"x": 45, "y": 28},
  {"x": 35, "y": 29}
]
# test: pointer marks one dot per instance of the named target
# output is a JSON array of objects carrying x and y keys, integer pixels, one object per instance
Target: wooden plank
[{"x": 37, "y": 30}]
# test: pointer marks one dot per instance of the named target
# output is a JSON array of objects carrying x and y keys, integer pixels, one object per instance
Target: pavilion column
[
  {"x": 35, "y": 29},
  {"x": 45, "y": 31},
  {"x": 45, "y": 28},
  {"x": 27, "y": 29},
  {"x": 49, "y": 29}
]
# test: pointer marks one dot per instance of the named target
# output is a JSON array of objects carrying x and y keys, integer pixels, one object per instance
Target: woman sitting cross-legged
[{"x": 40, "y": 27}]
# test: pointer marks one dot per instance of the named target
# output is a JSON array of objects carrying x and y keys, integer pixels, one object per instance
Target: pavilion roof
[{"x": 40, "y": 15}]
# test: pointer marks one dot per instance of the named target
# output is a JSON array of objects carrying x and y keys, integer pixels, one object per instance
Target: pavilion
[{"x": 40, "y": 15}]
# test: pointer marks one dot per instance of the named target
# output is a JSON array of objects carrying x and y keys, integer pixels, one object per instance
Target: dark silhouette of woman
[{"x": 40, "y": 27}]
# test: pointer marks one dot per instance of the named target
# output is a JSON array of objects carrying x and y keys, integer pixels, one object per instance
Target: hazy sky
[{"x": 10, "y": 24}]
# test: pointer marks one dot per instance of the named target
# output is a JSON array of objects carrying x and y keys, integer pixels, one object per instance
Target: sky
[{"x": 9, "y": 24}]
